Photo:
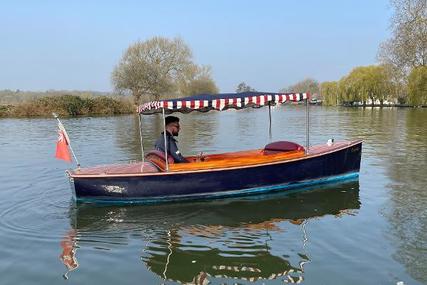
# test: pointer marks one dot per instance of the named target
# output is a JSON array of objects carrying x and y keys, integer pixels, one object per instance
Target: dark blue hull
[{"x": 326, "y": 167}]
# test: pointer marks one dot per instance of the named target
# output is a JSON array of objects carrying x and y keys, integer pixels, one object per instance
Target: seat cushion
[
  {"x": 158, "y": 159},
  {"x": 282, "y": 146}
]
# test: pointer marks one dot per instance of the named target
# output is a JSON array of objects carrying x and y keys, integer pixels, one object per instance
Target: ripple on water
[{"x": 35, "y": 212}]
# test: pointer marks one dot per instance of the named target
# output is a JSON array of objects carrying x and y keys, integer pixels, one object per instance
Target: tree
[
  {"x": 198, "y": 81},
  {"x": 417, "y": 86},
  {"x": 329, "y": 92},
  {"x": 397, "y": 83},
  {"x": 408, "y": 46},
  {"x": 242, "y": 87},
  {"x": 347, "y": 87},
  {"x": 366, "y": 82},
  {"x": 306, "y": 85},
  {"x": 152, "y": 68}
]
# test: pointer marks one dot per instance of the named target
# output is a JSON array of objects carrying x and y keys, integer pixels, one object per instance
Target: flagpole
[
  {"x": 68, "y": 140},
  {"x": 269, "y": 122},
  {"x": 140, "y": 137},
  {"x": 307, "y": 125},
  {"x": 164, "y": 136}
]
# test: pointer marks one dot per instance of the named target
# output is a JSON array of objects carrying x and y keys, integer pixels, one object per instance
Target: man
[{"x": 172, "y": 129}]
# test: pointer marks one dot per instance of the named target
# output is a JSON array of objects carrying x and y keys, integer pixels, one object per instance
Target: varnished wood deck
[{"x": 243, "y": 158}]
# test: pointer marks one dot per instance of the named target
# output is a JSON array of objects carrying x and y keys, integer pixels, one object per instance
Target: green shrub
[
  {"x": 5, "y": 110},
  {"x": 70, "y": 105}
]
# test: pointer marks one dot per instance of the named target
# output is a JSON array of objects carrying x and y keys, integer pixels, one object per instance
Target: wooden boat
[{"x": 278, "y": 166}]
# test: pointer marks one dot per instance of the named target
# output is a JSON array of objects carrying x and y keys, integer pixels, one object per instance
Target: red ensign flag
[{"x": 62, "y": 151}]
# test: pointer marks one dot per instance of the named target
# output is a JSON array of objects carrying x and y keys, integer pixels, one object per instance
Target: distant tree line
[
  {"x": 374, "y": 83},
  {"x": 10, "y": 97},
  {"x": 363, "y": 84},
  {"x": 68, "y": 105}
]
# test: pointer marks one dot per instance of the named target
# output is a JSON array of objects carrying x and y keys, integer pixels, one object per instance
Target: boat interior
[{"x": 277, "y": 151}]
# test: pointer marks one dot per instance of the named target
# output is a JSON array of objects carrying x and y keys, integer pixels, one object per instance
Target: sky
[{"x": 269, "y": 45}]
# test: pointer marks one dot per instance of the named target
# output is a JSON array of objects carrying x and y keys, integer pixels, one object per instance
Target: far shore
[
  {"x": 87, "y": 104},
  {"x": 68, "y": 106}
]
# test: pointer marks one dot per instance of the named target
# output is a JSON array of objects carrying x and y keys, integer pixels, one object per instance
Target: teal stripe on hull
[{"x": 303, "y": 185}]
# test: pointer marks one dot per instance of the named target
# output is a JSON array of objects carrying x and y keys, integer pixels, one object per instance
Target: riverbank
[
  {"x": 384, "y": 106},
  {"x": 68, "y": 105},
  {"x": 77, "y": 105}
]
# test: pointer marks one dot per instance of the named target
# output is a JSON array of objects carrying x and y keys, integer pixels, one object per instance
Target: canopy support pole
[
  {"x": 165, "y": 140},
  {"x": 140, "y": 138},
  {"x": 307, "y": 126},
  {"x": 269, "y": 122}
]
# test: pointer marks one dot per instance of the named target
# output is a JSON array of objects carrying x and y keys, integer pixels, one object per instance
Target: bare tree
[
  {"x": 151, "y": 68},
  {"x": 243, "y": 87},
  {"x": 408, "y": 46},
  {"x": 306, "y": 85}
]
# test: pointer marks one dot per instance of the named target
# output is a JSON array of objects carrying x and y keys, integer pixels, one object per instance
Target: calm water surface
[{"x": 369, "y": 231}]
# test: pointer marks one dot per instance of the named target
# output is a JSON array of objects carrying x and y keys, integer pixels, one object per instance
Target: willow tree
[
  {"x": 348, "y": 90},
  {"x": 152, "y": 68},
  {"x": 366, "y": 82},
  {"x": 417, "y": 86},
  {"x": 329, "y": 92}
]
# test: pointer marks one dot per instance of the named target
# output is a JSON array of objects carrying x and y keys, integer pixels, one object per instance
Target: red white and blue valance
[{"x": 220, "y": 102}]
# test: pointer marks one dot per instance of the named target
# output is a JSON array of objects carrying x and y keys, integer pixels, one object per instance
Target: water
[{"x": 369, "y": 231}]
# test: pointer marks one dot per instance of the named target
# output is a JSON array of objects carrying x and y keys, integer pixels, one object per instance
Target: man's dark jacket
[{"x": 172, "y": 147}]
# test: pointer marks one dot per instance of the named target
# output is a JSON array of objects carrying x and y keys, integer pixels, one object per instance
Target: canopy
[{"x": 219, "y": 102}]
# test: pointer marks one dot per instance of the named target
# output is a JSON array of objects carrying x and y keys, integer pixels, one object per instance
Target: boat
[{"x": 278, "y": 166}]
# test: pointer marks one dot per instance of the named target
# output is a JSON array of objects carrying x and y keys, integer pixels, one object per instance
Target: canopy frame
[{"x": 221, "y": 102}]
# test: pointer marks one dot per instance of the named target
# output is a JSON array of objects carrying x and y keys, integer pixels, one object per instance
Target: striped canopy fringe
[{"x": 220, "y": 103}]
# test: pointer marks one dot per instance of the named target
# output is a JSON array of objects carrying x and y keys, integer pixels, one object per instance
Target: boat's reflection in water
[{"x": 246, "y": 239}]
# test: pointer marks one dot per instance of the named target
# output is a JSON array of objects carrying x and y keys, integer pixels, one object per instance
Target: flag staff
[
  {"x": 269, "y": 122},
  {"x": 62, "y": 128},
  {"x": 164, "y": 136},
  {"x": 140, "y": 137},
  {"x": 307, "y": 124}
]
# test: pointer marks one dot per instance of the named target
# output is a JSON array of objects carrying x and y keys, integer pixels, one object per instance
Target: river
[{"x": 372, "y": 230}]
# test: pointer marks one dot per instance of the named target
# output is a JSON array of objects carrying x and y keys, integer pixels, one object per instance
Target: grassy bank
[{"x": 68, "y": 105}]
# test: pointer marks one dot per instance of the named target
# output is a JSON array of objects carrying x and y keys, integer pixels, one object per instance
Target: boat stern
[{"x": 71, "y": 182}]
